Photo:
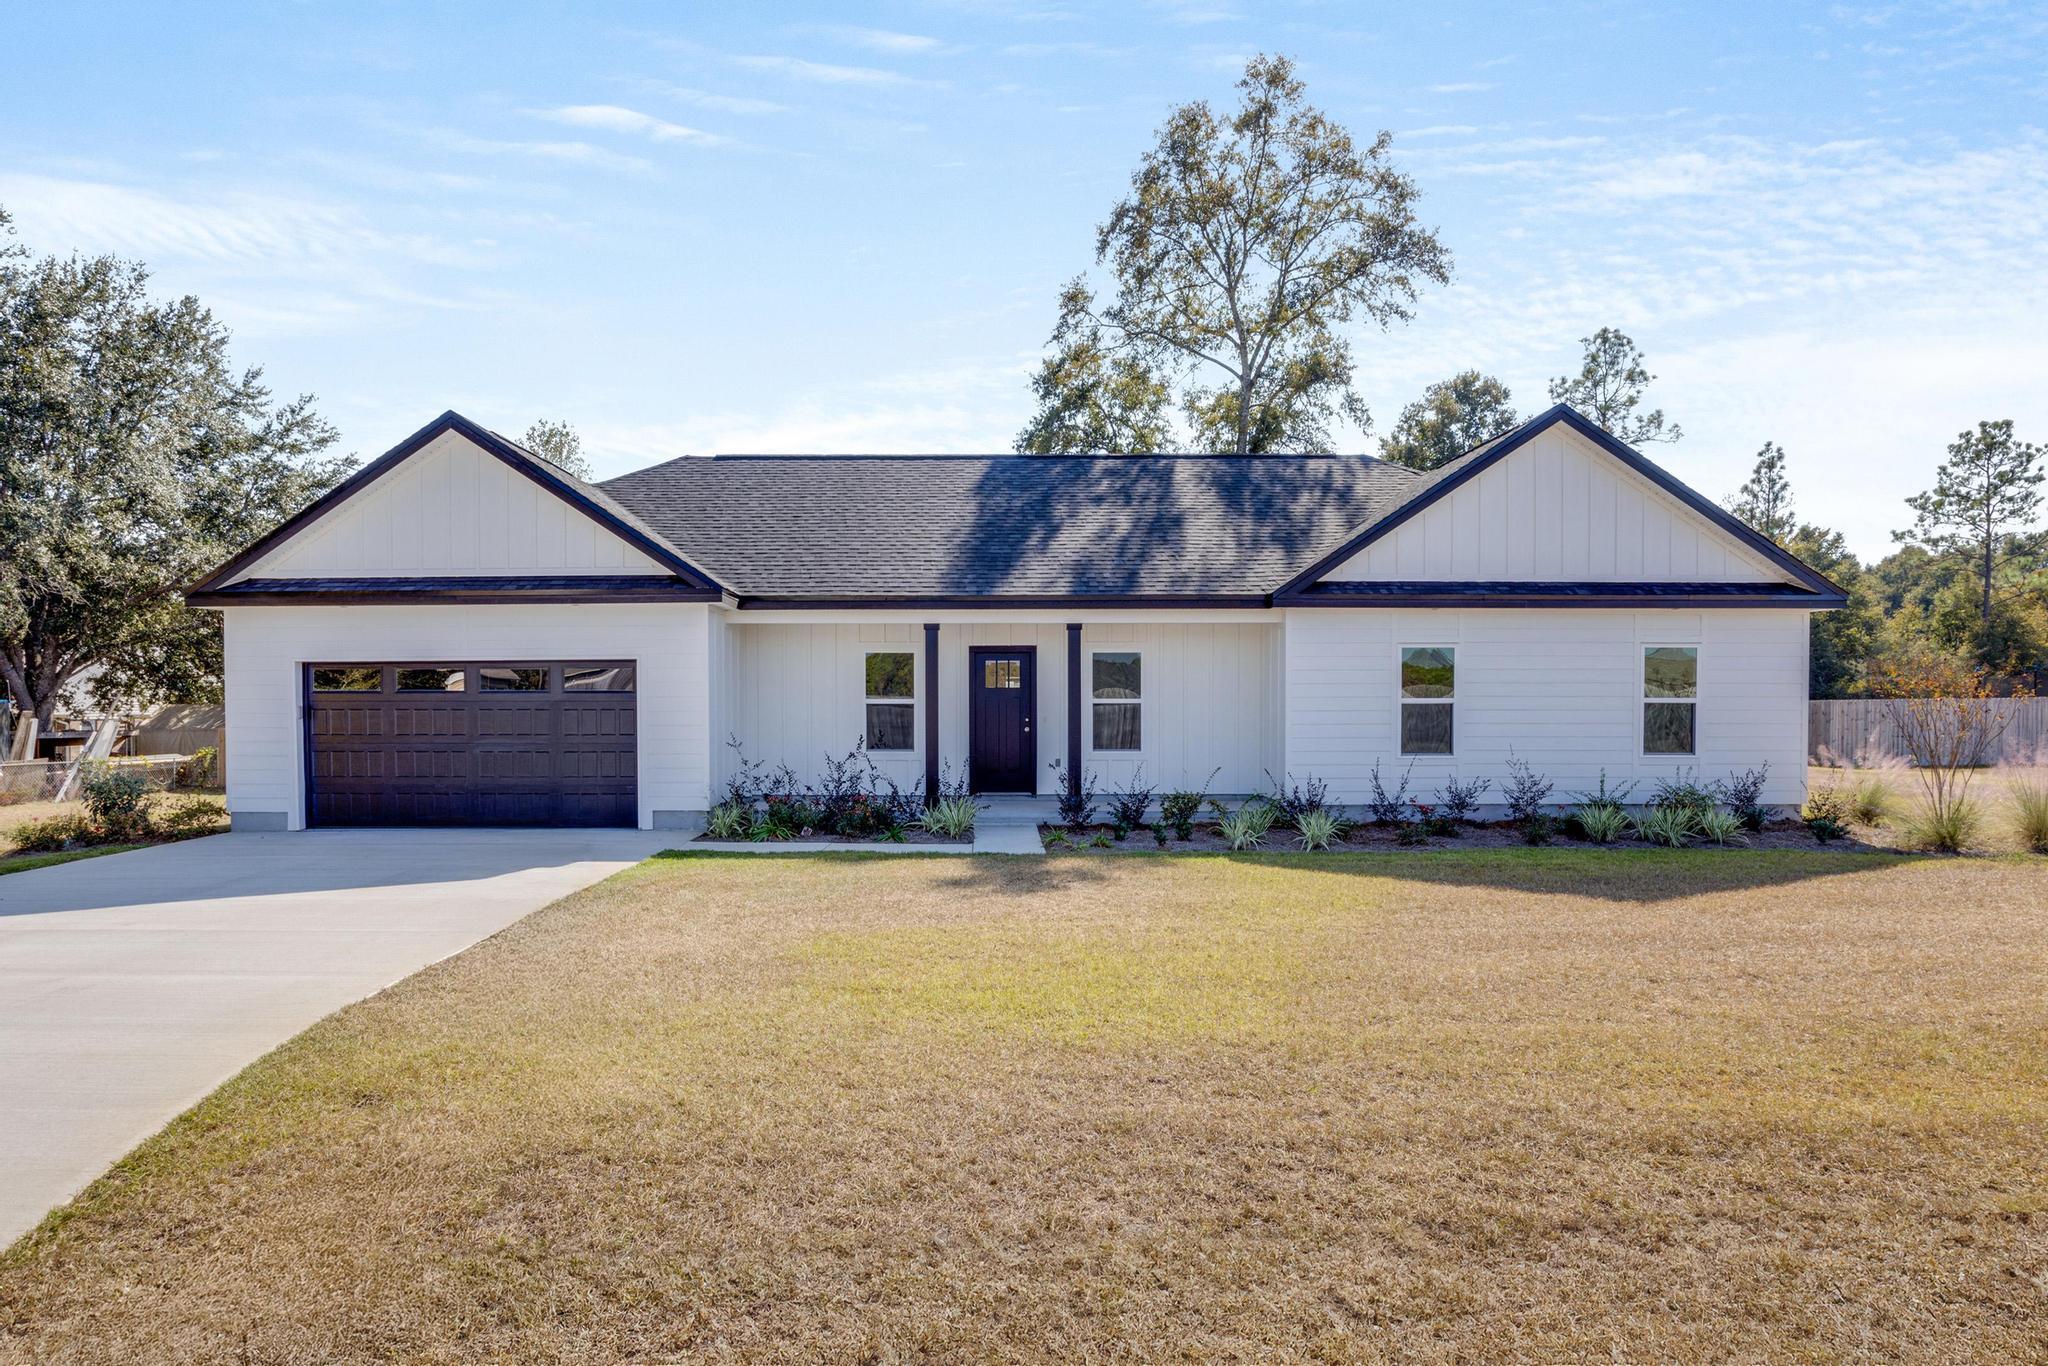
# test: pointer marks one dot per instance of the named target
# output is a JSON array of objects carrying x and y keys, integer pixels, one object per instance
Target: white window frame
[
  {"x": 1094, "y": 701},
  {"x": 1643, "y": 698},
  {"x": 913, "y": 701},
  {"x": 1401, "y": 700}
]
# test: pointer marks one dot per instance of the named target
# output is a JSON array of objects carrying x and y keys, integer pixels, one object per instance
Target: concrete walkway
[{"x": 132, "y": 985}]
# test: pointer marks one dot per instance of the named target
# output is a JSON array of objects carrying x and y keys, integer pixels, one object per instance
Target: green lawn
[{"x": 1458, "y": 1105}]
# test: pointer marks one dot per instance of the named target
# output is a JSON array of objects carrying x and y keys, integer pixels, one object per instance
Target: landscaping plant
[
  {"x": 1742, "y": 793},
  {"x": 1525, "y": 793},
  {"x": 1457, "y": 801},
  {"x": 52, "y": 834},
  {"x": 1671, "y": 826},
  {"x": 949, "y": 817},
  {"x": 1389, "y": 808},
  {"x": 1246, "y": 827},
  {"x": 1950, "y": 715},
  {"x": 1128, "y": 804},
  {"x": 1682, "y": 793},
  {"x": 186, "y": 817},
  {"x": 1602, "y": 823},
  {"x": 1292, "y": 803},
  {"x": 1318, "y": 828},
  {"x": 2030, "y": 815},
  {"x": 1178, "y": 808},
  {"x": 116, "y": 803},
  {"x": 1872, "y": 800},
  {"x": 1825, "y": 814},
  {"x": 1077, "y": 796},
  {"x": 1433, "y": 821},
  {"x": 1947, "y": 826},
  {"x": 1724, "y": 827},
  {"x": 729, "y": 820}
]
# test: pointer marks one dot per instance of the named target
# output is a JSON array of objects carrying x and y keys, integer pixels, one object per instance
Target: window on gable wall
[
  {"x": 1116, "y": 688},
  {"x": 1429, "y": 690},
  {"x": 1671, "y": 689},
  {"x": 892, "y": 699}
]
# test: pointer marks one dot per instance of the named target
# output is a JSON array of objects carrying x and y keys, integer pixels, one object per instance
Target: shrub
[
  {"x": 116, "y": 803},
  {"x": 1682, "y": 793},
  {"x": 1101, "y": 841},
  {"x": 1724, "y": 827},
  {"x": 1179, "y": 807},
  {"x": 51, "y": 834},
  {"x": 200, "y": 768},
  {"x": 1825, "y": 814},
  {"x": 1742, "y": 793},
  {"x": 1536, "y": 828},
  {"x": 1433, "y": 821},
  {"x": 187, "y": 817},
  {"x": 1077, "y": 798},
  {"x": 729, "y": 820},
  {"x": 1388, "y": 808},
  {"x": 949, "y": 817},
  {"x": 1160, "y": 833},
  {"x": 1525, "y": 792},
  {"x": 1871, "y": 800},
  {"x": 1057, "y": 839},
  {"x": 1129, "y": 803},
  {"x": 1616, "y": 796},
  {"x": 2030, "y": 815},
  {"x": 1946, "y": 826},
  {"x": 1670, "y": 826},
  {"x": 1601, "y": 822},
  {"x": 1410, "y": 833},
  {"x": 1292, "y": 803},
  {"x": 1316, "y": 829},
  {"x": 1246, "y": 827},
  {"x": 1459, "y": 800}
]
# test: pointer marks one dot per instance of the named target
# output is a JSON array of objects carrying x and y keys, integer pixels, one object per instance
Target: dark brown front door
[
  {"x": 540, "y": 743},
  {"x": 1002, "y": 718}
]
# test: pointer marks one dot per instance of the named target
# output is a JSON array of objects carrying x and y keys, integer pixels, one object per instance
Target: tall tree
[
  {"x": 1092, "y": 400},
  {"x": 1765, "y": 502},
  {"x": 1841, "y": 643},
  {"x": 1984, "y": 497},
  {"x": 132, "y": 459},
  {"x": 1450, "y": 418},
  {"x": 1609, "y": 388},
  {"x": 558, "y": 444},
  {"x": 1244, "y": 246}
]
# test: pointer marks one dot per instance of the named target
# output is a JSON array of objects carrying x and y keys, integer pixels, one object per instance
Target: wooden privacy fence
[{"x": 1859, "y": 732}]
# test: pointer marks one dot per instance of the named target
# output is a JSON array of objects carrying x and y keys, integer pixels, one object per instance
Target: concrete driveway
[{"x": 132, "y": 985}]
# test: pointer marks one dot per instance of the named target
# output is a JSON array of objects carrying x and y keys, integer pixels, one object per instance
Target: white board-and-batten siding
[
  {"x": 267, "y": 647},
  {"x": 794, "y": 694},
  {"x": 1558, "y": 509},
  {"x": 1558, "y": 688},
  {"x": 452, "y": 509}
]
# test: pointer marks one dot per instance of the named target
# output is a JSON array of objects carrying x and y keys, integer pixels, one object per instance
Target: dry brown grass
[
  {"x": 1560, "y": 1104},
  {"x": 21, "y": 813}
]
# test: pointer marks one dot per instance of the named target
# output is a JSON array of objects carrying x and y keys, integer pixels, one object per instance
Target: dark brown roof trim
[
  {"x": 531, "y": 466},
  {"x": 452, "y": 590},
  {"x": 997, "y": 602},
  {"x": 1798, "y": 569}
]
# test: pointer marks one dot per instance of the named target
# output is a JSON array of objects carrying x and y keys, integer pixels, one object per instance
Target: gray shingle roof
[{"x": 946, "y": 526}]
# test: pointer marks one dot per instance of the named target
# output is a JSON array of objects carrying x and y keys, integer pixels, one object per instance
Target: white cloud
[
  {"x": 618, "y": 119},
  {"x": 576, "y": 152},
  {"x": 882, "y": 40},
  {"x": 724, "y": 104},
  {"x": 1460, "y": 87},
  {"x": 825, "y": 73}
]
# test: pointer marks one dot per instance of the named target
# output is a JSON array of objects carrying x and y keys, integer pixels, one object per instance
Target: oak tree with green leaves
[
  {"x": 1610, "y": 387},
  {"x": 133, "y": 458},
  {"x": 558, "y": 444},
  {"x": 1984, "y": 499},
  {"x": 1248, "y": 241},
  {"x": 1450, "y": 418}
]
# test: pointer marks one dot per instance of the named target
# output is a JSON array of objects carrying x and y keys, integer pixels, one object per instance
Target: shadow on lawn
[{"x": 1638, "y": 875}]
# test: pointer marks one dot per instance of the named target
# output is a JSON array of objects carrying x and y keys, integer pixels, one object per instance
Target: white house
[{"x": 461, "y": 633}]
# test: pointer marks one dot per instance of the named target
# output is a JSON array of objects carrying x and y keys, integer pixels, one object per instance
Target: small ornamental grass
[
  {"x": 1318, "y": 828},
  {"x": 1246, "y": 827},
  {"x": 949, "y": 818},
  {"x": 1670, "y": 826},
  {"x": 1724, "y": 827},
  {"x": 2029, "y": 815},
  {"x": 1872, "y": 800},
  {"x": 729, "y": 821},
  {"x": 1602, "y": 822},
  {"x": 1944, "y": 826}
]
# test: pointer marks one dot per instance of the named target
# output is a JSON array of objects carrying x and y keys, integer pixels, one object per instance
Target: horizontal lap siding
[
  {"x": 1212, "y": 697},
  {"x": 267, "y": 646},
  {"x": 1558, "y": 688}
]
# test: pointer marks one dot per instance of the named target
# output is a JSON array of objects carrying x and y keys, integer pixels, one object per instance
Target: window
[
  {"x": 1429, "y": 690},
  {"x": 367, "y": 679},
  {"x": 1002, "y": 673},
  {"x": 430, "y": 680},
  {"x": 1116, "y": 685},
  {"x": 892, "y": 704},
  {"x": 1669, "y": 672},
  {"x": 513, "y": 680},
  {"x": 597, "y": 678}
]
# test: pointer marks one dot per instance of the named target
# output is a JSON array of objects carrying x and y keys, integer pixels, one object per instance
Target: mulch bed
[
  {"x": 909, "y": 837},
  {"x": 1381, "y": 839}
]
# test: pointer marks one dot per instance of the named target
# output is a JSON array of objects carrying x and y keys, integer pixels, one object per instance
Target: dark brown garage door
[{"x": 468, "y": 743}]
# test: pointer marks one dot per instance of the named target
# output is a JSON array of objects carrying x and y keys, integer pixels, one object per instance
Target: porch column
[
  {"x": 1074, "y": 707},
  {"x": 931, "y": 712}
]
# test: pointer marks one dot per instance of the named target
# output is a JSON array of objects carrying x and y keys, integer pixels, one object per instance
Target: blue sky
[{"x": 813, "y": 228}]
